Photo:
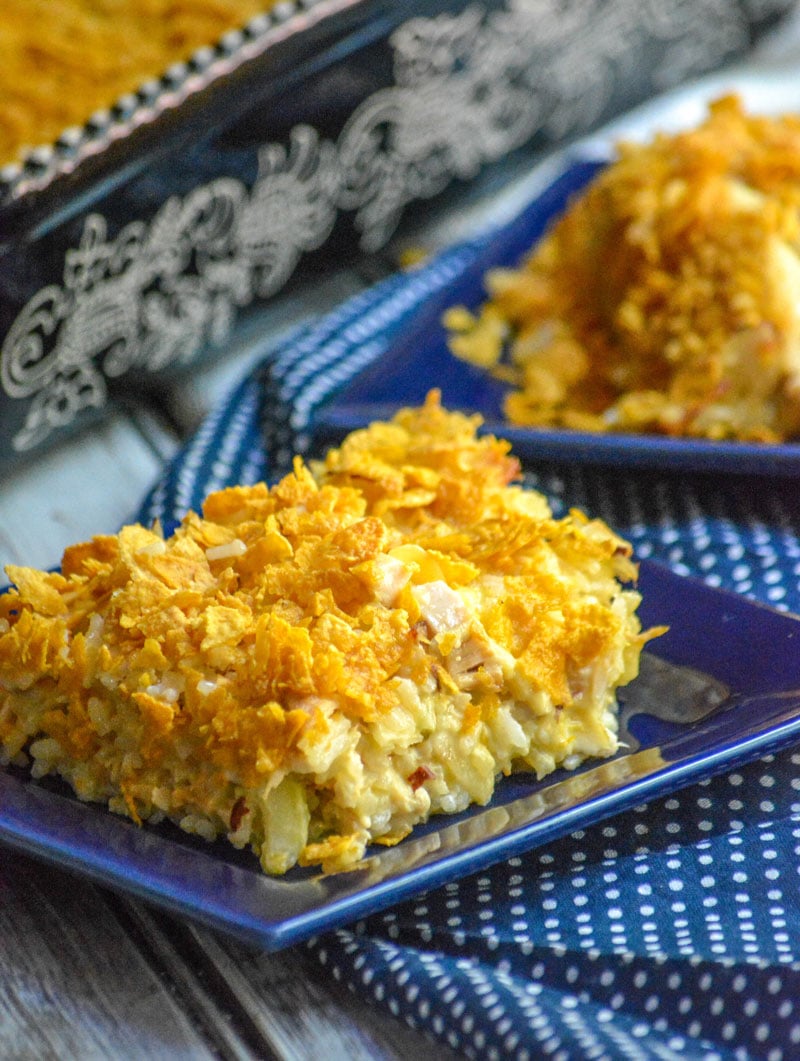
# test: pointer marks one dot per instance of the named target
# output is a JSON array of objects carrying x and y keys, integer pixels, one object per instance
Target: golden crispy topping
[
  {"x": 315, "y": 666},
  {"x": 666, "y": 298},
  {"x": 61, "y": 60}
]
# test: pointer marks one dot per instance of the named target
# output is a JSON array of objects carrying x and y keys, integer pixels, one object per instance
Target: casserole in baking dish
[{"x": 133, "y": 244}]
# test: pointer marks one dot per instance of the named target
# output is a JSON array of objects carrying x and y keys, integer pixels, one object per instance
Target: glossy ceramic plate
[
  {"x": 723, "y": 689},
  {"x": 418, "y": 359}
]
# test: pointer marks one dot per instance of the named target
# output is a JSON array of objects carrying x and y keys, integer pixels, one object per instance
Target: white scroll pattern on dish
[{"x": 468, "y": 89}]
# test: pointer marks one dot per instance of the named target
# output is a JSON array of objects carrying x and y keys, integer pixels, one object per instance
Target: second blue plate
[{"x": 418, "y": 359}]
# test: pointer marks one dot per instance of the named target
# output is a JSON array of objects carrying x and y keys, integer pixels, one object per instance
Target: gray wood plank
[
  {"x": 86, "y": 973},
  {"x": 274, "y": 1004},
  {"x": 88, "y": 485},
  {"x": 300, "y": 1014},
  {"x": 199, "y": 984},
  {"x": 73, "y": 984}
]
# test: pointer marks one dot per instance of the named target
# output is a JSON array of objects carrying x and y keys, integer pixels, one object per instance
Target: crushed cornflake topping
[
  {"x": 313, "y": 667},
  {"x": 666, "y": 299},
  {"x": 63, "y": 60}
]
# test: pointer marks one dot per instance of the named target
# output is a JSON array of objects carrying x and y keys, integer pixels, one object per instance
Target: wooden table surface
[{"x": 86, "y": 973}]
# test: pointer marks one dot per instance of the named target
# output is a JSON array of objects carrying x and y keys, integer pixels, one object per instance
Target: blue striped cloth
[{"x": 671, "y": 932}]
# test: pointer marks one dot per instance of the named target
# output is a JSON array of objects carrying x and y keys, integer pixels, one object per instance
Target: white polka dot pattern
[
  {"x": 672, "y": 931},
  {"x": 679, "y": 920}
]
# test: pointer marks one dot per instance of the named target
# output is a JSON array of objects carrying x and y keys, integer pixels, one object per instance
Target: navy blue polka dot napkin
[{"x": 670, "y": 931}]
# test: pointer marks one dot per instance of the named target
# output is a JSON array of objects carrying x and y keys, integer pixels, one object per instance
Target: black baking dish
[{"x": 134, "y": 246}]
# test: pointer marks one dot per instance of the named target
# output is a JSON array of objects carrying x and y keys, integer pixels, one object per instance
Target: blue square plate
[
  {"x": 723, "y": 689},
  {"x": 418, "y": 359}
]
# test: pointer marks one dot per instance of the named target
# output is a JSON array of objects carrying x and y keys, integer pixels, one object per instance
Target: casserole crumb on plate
[{"x": 313, "y": 667}]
